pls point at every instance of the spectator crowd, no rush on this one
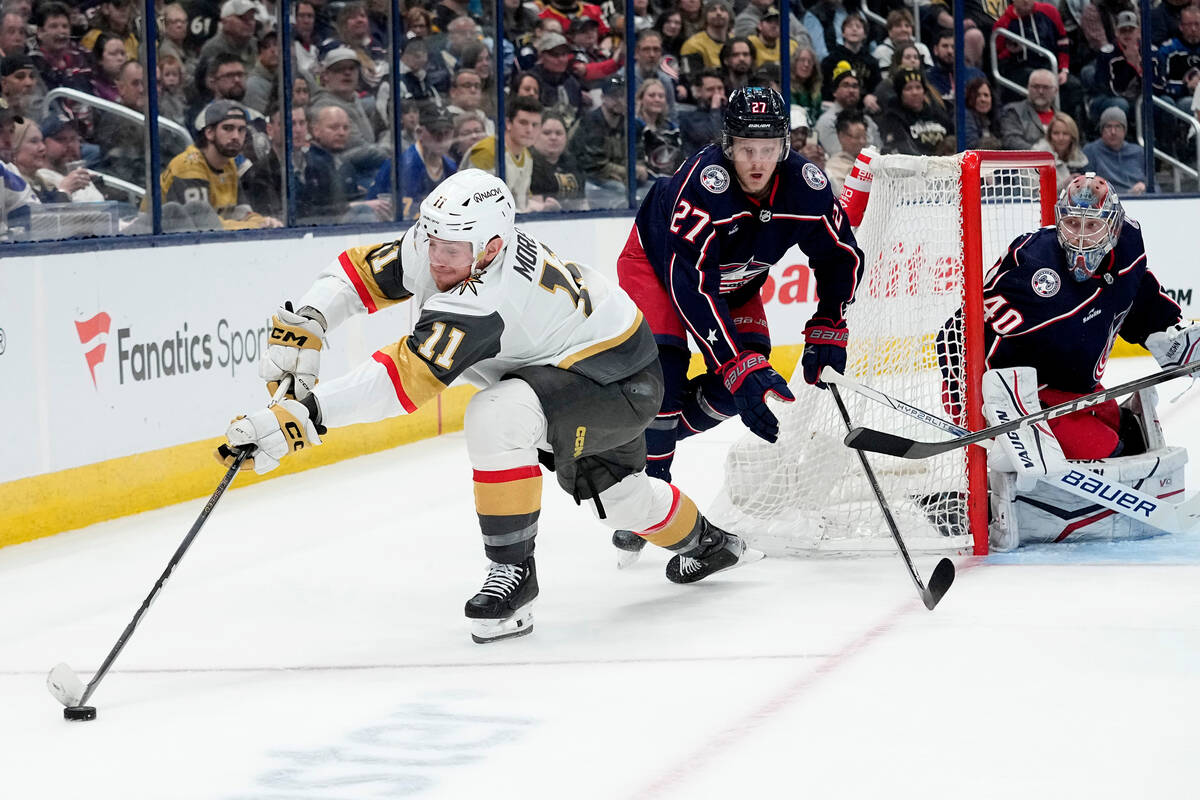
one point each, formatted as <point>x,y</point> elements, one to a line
<point>860,74</point>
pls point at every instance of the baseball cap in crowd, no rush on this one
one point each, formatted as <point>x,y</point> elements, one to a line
<point>235,8</point>
<point>11,64</point>
<point>582,23</point>
<point>55,124</point>
<point>1127,19</point>
<point>799,118</point>
<point>220,110</point>
<point>550,41</point>
<point>614,85</point>
<point>771,13</point>
<point>339,53</point>
<point>434,117</point>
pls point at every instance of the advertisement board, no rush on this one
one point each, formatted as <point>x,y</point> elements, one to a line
<point>114,353</point>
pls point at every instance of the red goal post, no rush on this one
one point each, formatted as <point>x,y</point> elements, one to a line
<point>975,167</point>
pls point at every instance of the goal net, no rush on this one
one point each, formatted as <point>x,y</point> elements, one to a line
<point>931,227</point>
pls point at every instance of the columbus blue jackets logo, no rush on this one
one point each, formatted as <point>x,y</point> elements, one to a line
<point>714,178</point>
<point>814,177</point>
<point>1046,282</point>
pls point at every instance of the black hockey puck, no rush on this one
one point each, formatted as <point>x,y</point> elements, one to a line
<point>79,713</point>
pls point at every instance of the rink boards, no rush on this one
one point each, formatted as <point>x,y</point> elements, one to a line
<point>122,367</point>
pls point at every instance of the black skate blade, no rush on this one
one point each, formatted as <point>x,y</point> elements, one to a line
<point>939,583</point>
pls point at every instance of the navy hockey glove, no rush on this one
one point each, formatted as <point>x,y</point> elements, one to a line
<point>749,377</point>
<point>824,346</point>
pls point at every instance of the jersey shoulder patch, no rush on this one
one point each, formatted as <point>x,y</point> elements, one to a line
<point>715,178</point>
<point>1046,282</point>
<point>814,177</point>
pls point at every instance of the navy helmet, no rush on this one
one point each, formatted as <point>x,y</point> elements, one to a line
<point>756,112</point>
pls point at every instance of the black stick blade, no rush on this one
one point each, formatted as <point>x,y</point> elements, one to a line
<point>875,441</point>
<point>939,583</point>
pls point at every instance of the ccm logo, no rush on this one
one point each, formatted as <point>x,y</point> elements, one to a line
<point>1113,494</point>
<point>295,435</point>
<point>284,336</point>
<point>580,435</point>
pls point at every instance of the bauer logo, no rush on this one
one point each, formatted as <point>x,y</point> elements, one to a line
<point>90,332</point>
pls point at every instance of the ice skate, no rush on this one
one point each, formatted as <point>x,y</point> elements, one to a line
<point>629,547</point>
<point>503,607</point>
<point>721,550</point>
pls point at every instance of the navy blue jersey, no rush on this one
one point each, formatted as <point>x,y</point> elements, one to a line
<point>711,245</point>
<point>1036,314</point>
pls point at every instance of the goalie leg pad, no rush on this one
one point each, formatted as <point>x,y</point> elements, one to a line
<point>1031,451</point>
<point>1047,514</point>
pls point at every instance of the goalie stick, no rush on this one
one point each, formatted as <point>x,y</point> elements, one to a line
<point>1079,481</point>
<point>62,681</point>
<point>892,445</point>
<point>943,573</point>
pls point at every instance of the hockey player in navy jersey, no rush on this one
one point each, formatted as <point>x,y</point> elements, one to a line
<point>1060,297</point>
<point>1053,307</point>
<point>700,251</point>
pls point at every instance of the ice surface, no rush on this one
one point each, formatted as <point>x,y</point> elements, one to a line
<point>312,645</point>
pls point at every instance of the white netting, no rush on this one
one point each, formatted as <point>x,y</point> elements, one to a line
<point>807,493</point>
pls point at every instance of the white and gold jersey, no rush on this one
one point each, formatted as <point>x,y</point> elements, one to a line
<point>528,308</point>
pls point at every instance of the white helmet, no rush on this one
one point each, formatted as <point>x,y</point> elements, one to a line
<point>469,206</point>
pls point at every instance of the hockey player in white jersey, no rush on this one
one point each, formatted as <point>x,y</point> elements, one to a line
<point>568,371</point>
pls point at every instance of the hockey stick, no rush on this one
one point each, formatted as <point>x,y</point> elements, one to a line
<point>62,681</point>
<point>943,573</point>
<point>893,445</point>
<point>1081,482</point>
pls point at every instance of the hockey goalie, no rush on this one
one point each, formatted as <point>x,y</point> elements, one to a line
<point>1053,307</point>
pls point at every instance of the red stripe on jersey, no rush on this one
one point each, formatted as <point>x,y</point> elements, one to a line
<point>670,514</point>
<point>394,375</point>
<point>357,282</point>
<point>506,475</point>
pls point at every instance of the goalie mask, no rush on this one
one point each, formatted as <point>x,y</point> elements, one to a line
<point>469,206</point>
<point>1088,217</point>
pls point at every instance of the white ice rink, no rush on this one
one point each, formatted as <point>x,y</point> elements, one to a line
<point>312,646</point>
